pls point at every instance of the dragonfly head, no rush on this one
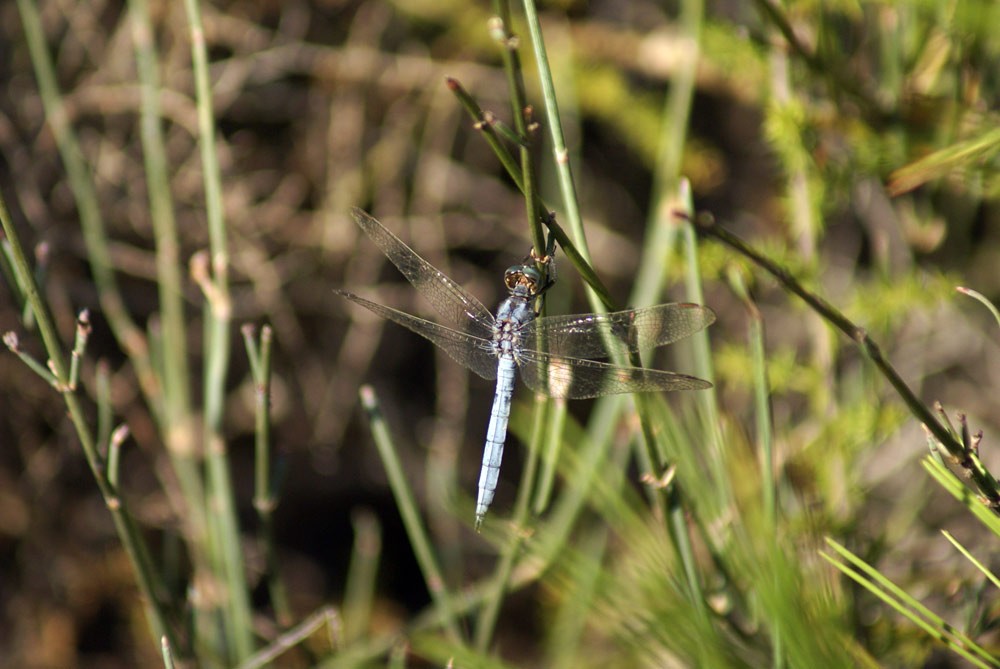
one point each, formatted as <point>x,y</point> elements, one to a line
<point>523,280</point>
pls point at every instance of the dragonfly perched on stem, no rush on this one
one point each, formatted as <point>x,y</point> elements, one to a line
<point>552,353</point>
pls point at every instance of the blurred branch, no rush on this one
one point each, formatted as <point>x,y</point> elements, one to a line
<point>212,274</point>
<point>176,422</point>
<point>941,162</point>
<point>831,70</point>
<point>265,498</point>
<point>985,482</point>
<point>326,616</point>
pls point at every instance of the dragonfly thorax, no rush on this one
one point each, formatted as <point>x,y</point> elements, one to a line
<point>513,314</point>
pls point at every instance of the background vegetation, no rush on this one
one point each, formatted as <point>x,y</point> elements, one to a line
<point>854,144</point>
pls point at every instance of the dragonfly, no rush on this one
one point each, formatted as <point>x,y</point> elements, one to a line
<point>554,354</point>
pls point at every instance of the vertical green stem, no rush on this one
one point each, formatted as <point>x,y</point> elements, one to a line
<point>561,153</point>
<point>519,104</point>
<point>574,218</point>
<point>221,501</point>
<point>362,575</point>
<point>176,385</point>
<point>552,442</point>
<point>762,408</point>
<point>177,423</point>
<point>407,505</point>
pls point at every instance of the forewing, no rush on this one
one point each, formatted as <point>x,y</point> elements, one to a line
<point>587,335</point>
<point>467,350</point>
<point>573,378</point>
<point>456,306</point>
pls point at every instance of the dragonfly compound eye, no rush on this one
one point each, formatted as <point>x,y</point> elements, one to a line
<point>523,275</point>
<point>532,277</point>
<point>510,277</point>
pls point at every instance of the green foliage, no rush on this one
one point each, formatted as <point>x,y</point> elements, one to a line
<point>779,519</point>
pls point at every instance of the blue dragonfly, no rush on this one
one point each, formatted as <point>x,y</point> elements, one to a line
<point>553,353</point>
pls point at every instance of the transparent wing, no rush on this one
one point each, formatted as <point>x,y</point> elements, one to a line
<point>467,350</point>
<point>583,335</point>
<point>573,378</point>
<point>459,309</point>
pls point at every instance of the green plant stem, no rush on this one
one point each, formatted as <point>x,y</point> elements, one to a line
<point>600,302</point>
<point>982,298</point>
<point>985,482</point>
<point>582,266</point>
<point>544,406</point>
<point>166,654</point>
<point>362,575</point>
<point>499,586</point>
<point>11,279</point>
<point>661,234</point>
<point>407,505</point>
<point>561,154</point>
<point>105,414</point>
<point>95,237</point>
<point>176,422</point>
<point>904,603</point>
<point>221,496</point>
<point>592,456</point>
<point>489,133</point>
<point>327,615</point>
<point>592,459</point>
<point>719,484</point>
<point>571,204</point>
<point>570,618</point>
<point>265,498</point>
<point>674,509</point>
<point>113,467</point>
<point>553,441</point>
<point>765,440</point>
<point>176,384</point>
<point>676,502</point>
<point>11,340</point>
<point>519,105</point>
<point>762,405</point>
<point>365,652</point>
<point>83,330</point>
<point>146,577</point>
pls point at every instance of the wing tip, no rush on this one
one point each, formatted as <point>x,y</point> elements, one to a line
<point>706,310</point>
